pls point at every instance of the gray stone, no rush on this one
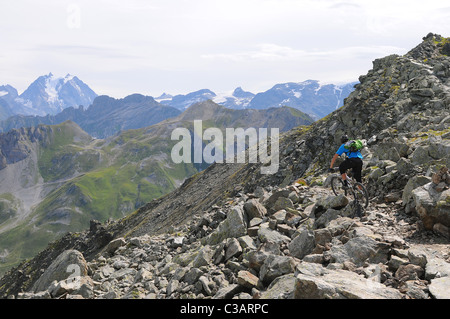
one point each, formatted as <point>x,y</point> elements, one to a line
<point>39,295</point>
<point>70,263</point>
<point>275,196</point>
<point>417,257</point>
<point>283,203</point>
<point>172,287</point>
<point>254,209</point>
<point>255,258</point>
<point>235,225</point>
<point>376,173</point>
<point>303,243</point>
<point>248,280</point>
<point>280,288</point>
<point>420,156</point>
<point>395,262</point>
<point>192,275</point>
<point>359,250</point>
<point>335,202</point>
<point>324,219</point>
<point>437,267</point>
<point>247,242</point>
<point>204,257</point>
<point>255,222</point>
<point>265,234</point>
<point>233,248</point>
<point>439,288</point>
<point>432,207</point>
<point>205,285</point>
<point>275,266</point>
<point>407,272</point>
<point>341,284</point>
<point>82,285</point>
<point>228,292</point>
<point>178,241</point>
<point>114,244</point>
<point>279,216</point>
<point>314,258</point>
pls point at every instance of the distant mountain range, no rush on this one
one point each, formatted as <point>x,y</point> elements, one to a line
<point>105,117</point>
<point>311,97</point>
<point>50,95</point>
<point>52,100</point>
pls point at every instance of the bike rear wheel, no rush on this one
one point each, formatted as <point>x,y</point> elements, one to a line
<point>337,185</point>
<point>361,195</point>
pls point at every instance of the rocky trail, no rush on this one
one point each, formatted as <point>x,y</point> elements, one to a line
<point>293,242</point>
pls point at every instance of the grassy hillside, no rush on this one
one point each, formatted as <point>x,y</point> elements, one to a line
<point>82,178</point>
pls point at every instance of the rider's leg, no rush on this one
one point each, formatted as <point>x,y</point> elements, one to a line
<point>357,168</point>
<point>343,167</point>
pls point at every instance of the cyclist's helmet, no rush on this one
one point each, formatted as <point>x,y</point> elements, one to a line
<point>344,139</point>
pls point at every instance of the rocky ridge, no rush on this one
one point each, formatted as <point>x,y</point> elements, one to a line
<point>283,235</point>
<point>291,242</point>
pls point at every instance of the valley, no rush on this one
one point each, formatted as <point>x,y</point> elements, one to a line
<point>57,178</point>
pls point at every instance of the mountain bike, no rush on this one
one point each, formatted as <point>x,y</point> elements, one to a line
<point>354,189</point>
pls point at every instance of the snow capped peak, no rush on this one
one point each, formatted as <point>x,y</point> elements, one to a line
<point>50,94</point>
<point>52,85</point>
<point>68,77</point>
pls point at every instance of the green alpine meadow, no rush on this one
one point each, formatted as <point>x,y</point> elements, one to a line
<point>59,177</point>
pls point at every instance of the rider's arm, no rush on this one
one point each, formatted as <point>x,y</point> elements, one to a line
<point>333,160</point>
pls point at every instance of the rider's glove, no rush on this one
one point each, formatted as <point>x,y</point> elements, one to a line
<point>331,170</point>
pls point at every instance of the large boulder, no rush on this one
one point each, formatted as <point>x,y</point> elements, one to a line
<point>413,183</point>
<point>253,208</point>
<point>433,207</point>
<point>280,288</point>
<point>341,284</point>
<point>235,225</point>
<point>69,263</point>
<point>275,266</point>
<point>359,250</point>
<point>303,242</point>
<point>439,288</point>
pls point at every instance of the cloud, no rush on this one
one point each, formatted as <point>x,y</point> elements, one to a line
<point>176,44</point>
<point>274,52</point>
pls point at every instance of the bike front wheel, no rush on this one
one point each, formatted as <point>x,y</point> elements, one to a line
<point>337,185</point>
<point>361,195</point>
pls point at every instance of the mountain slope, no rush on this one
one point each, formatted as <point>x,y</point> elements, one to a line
<point>8,105</point>
<point>105,117</point>
<point>57,178</point>
<point>401,107</point>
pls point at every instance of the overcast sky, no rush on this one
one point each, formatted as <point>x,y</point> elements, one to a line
<point>179,46</point>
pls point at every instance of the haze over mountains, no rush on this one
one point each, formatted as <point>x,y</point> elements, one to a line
<point>311,97</point>
<point>68,155</point>
<point>53,100</point>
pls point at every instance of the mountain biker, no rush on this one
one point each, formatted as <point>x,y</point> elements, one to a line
<point>353,160</point>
